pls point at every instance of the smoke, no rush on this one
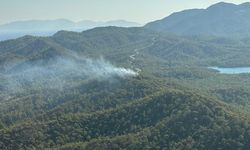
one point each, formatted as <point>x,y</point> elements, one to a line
<point>60,73</point>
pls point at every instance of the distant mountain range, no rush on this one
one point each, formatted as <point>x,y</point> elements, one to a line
<point>49,27</point>
<point>221,19</point>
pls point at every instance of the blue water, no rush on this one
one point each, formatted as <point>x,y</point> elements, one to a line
<point>237,70</point>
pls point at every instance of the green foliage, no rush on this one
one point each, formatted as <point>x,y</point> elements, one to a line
<point>175,103</point>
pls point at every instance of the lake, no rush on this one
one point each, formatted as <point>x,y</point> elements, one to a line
<point>236,70</point>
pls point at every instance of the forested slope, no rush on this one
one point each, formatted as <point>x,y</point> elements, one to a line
<point>123,88</point>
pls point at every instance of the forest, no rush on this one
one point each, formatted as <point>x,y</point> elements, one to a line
<point>175,101</point>
<point>112,88</point>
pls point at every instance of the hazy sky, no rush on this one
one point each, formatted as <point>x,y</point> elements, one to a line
<point>141,11</point>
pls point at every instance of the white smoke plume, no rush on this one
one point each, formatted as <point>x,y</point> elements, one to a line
<point>60,73</point>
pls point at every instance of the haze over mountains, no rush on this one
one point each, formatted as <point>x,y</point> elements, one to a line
<point>221,19</point>
<point>49,27</point>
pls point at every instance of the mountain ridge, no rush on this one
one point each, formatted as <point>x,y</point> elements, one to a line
<point>221,19</point>
<point>49,27</point>
<point>40,24</point>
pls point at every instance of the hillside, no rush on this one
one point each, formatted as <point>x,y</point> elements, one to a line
<point>181,116</point>
<point>221,19</point>
<point>179,83</point>
<point>112,87</point>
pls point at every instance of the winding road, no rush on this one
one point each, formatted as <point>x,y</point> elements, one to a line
<point>132,57</point>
